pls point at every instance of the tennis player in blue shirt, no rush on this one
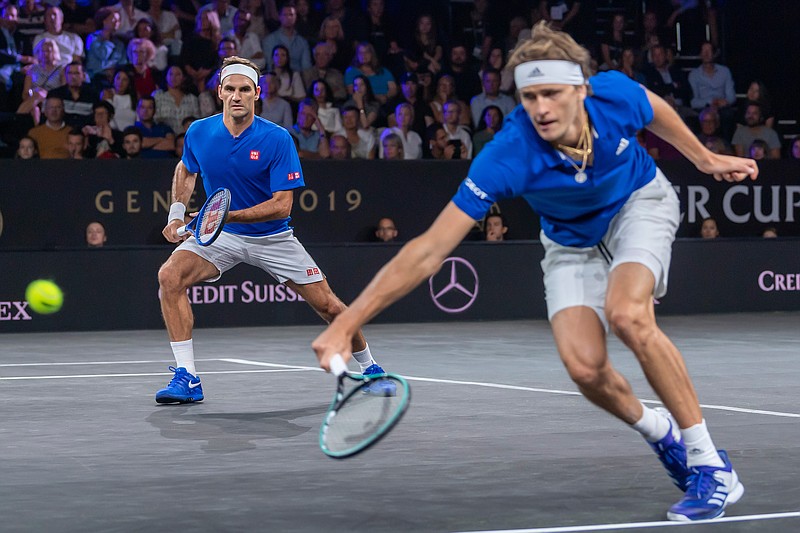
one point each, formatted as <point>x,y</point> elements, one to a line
<point>257,161</point>
<point>608,218</point>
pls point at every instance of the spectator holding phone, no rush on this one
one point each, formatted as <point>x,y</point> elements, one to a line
<point>440,147</point>
<point>453,129</point>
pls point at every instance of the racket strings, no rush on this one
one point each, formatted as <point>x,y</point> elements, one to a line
<point>212,216</point>
<point>364,415</point>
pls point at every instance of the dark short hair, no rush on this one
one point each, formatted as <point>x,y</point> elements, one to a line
<point>132,130</point>
<point>430,131</point>
<point>503,220</point>
<point>105,105</point>
<point>102,14</point>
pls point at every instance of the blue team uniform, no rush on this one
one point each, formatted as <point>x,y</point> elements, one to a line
<point>254,165</point>
<point>518,162</point>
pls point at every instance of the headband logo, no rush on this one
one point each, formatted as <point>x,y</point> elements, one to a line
<point>535,73</point>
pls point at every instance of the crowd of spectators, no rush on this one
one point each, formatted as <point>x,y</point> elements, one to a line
<point>80,79</point>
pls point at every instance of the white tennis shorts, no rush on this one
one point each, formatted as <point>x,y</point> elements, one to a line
<point>280,255</point>
<point>642,232</point>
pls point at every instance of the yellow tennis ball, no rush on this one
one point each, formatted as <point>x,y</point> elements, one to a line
<point>44,296</point>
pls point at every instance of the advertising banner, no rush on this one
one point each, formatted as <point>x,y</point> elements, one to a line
<point>47,204</point>
<point>117,288</point>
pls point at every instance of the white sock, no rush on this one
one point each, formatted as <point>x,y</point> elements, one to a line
<point>652,426</point>
<point>184,355</point>
<point>700,450</point>
<point>364,358</point>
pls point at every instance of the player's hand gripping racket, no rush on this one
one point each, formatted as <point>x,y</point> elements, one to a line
<point>360,416</point>
<point>208,223</point>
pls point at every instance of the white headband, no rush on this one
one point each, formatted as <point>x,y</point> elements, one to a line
<point>238,68</point>
<point>548,71</point>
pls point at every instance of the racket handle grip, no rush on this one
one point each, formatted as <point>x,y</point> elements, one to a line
<point>338,366</point>
<point>182,231</point>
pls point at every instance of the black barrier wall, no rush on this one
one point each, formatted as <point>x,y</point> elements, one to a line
<point>47,204</point>
<point>108,289</point>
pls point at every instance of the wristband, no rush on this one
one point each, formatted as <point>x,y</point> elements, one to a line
<point>176,211</point>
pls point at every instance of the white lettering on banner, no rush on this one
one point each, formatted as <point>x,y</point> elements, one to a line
<point>769,281</point>
<point>726,204</point>
<point>14,311</point>
<point>252,292</point>
<point>775,216</point>
<point>212,294</point>
<point>791,191</point>
<point>475,189</point>
<point>698,198</point>
<point>247,292</point>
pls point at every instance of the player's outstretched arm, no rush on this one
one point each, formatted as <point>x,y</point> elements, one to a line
<point>668,125</point>
<point>414,263</point>
<point>277,207</point>
<point>182,188</point>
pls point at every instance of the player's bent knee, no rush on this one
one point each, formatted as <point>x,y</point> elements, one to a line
<point>625,319</point>
<point>632,325</point>
<point>169,278</point>
<point>333,307</point>
<point>585,376</point>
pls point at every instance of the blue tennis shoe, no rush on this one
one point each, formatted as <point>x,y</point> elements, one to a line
<point>711,489</point>
<point>380,387</point>
<point>672,452</point>
<point>183,388</point>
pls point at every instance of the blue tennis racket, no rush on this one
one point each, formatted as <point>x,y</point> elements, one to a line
<point>208,223</point>
<point>363,414</point>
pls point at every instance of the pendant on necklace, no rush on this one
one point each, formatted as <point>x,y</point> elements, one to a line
<point>581,177</point>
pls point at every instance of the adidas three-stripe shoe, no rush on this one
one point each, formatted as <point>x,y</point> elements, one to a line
<point>711,489</point>
<point>183,388</point>
<point>672,452</point>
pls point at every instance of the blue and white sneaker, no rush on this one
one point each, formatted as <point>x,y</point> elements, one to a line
<point>711,490</point>
<point>381,387</point>
<point>184,388</point>
<point>672,452</point>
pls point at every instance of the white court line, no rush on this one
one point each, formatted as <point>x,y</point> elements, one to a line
<point>526,389</point>
<point>143,374</point>
<point>76,363</point>
<point>317,369</point>
<point>643,525</point>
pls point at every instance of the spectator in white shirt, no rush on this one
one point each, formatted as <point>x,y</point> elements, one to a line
<point>412,142</point>
<point>247,42</point>
<point>453,129</point>
<point>70,45</point>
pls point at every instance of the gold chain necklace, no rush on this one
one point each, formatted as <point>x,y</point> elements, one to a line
<point>582,151</point>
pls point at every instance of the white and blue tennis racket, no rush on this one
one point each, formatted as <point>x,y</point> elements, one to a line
<point>208,223</point>
<point>361,416</point>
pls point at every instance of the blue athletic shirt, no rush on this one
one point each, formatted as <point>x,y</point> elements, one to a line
<point>254,165</point>
<point>517,162</point>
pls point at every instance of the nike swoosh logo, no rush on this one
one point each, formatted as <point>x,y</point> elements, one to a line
<point>194,385</point>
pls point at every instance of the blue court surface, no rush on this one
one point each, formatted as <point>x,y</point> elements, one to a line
<point>496,438</point>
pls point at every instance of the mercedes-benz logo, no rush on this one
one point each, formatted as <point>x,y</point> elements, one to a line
<point>455,287</point>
